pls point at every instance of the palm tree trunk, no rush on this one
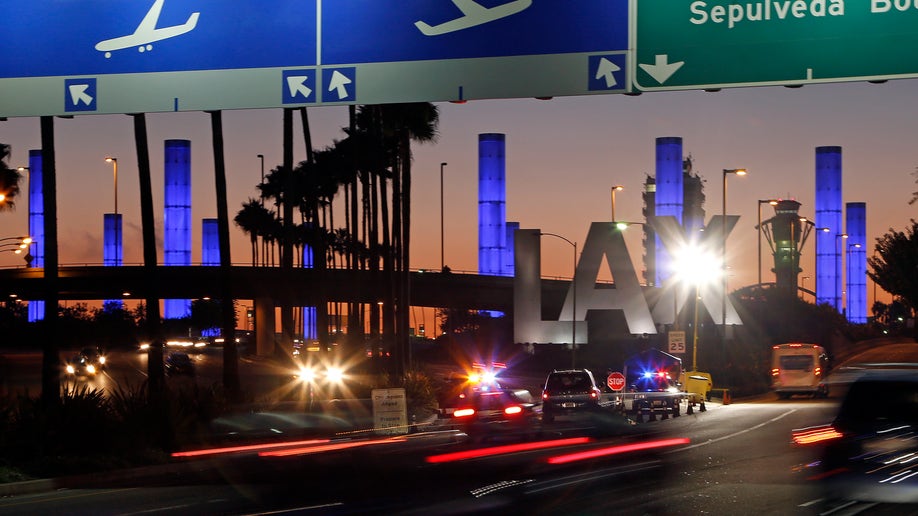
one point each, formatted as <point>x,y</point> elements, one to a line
<point>230,355</point>
<point>155,372</point>
<point>405,283</point>
<point>50,362</point>
<point>286,255</point>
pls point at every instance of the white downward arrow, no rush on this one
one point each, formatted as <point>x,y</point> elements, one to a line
<point>297,85</point>
<point>78,94</point>
<point>338,82</point>
<point>662,69</point>
<point>607,69</point>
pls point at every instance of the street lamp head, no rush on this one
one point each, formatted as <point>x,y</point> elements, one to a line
<point>109,159</point>
<point>737,171</point>
<point>624,224</point>
<point>443,164</point>
<point>618,188</point>
<point>23,169</point>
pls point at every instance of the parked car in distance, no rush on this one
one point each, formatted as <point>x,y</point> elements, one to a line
<point>567,391</point>
<point>497,412</point>
<point>179,362</point>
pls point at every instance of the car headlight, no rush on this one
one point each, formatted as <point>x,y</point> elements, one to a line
<point>91,369</point>
<point>102,360</point>
<point>70,369</point>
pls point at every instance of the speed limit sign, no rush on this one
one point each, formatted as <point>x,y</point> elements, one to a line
<point>676,342</point>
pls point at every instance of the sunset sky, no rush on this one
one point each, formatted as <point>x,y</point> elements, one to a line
<point>563,155</point>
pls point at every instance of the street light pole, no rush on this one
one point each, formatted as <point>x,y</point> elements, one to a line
<point>723,252</point>
<point>260,194</point>
<point>836,300</point>
<point>114,162</point>
<point>616,188</point>
<point>847,272</point>
<point>442,261</point>
<point>574,303</point>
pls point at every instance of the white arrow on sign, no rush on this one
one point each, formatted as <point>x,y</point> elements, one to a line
<point>662,69</point>
<point>607,69</point>
<point>339,81</point>
<point>297,85</point>
<point>78,94</point>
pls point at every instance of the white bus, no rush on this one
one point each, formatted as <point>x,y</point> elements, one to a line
<point>798,368</point>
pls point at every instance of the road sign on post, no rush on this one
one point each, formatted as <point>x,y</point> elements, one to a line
<point>616,381</point>
<point>116,56</point>
<point>676,342</point>
<point>698,44</point>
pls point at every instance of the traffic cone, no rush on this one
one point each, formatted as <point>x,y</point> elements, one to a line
<point>702,407</point>
<point>690,409</point>
<point>726,397</point>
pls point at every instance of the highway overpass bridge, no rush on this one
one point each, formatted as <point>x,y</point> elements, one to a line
<point>302,287</point>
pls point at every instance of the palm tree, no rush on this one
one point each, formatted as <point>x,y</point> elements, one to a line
<point>250,220</point>
<point>401,124</point>
<point>9,181</point>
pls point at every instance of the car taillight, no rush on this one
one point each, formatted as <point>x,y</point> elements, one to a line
<point>544,395</point>
<point>594,394</point>
<point>515,409</point>
<point>815,434</point>
<point>466,412</point>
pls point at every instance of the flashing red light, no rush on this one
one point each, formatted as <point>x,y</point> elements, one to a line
<point>661,374</point>
<point>614,450</point>
<point>502,450</point>
<point>775,372</point>
<point>817,371</point>
<point>466,412</point>
<point>515,409</point>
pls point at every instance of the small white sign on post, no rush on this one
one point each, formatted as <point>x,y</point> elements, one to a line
<point>390,411</point>
<point>677,342</point>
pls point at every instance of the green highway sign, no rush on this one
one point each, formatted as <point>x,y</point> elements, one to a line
<point>706,44</point>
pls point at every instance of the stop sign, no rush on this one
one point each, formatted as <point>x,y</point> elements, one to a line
<point>616,381</point>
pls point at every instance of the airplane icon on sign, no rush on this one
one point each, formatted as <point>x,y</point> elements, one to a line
<point>473,14</point>
<point>146,33</point>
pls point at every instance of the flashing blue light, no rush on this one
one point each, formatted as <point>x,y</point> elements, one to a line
<point>648,374</point>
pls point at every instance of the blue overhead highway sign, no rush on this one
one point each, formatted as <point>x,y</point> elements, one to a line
<point>132,56</point>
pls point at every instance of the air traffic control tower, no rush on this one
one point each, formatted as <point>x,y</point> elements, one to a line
<point>786,235</point>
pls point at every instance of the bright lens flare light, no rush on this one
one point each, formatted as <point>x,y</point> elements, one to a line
<point>696,265</point>
<point>335,374</point>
